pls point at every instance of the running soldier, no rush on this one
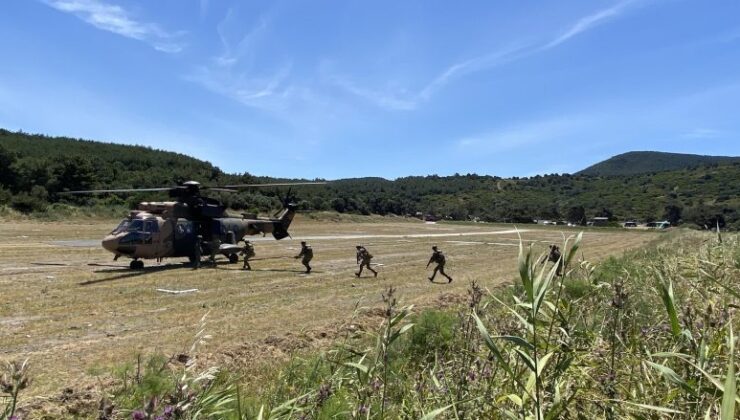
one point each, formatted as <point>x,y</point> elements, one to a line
<point>307,254</point>
<point>556,257</point>
<point>247,252</point>
<point>439,258</point>
<point>197,252</point>
<point>215,245</point>
<point>363,258</point>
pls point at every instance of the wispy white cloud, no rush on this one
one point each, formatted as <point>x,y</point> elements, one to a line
<point>703,134</point>
<point>203,7</point>
<point>384,99</point>
<point>477,64</point>
<point>480,63</point>
<point>267,91</point>
<point>116,19</point>
<point>397,99</point>
<point>243,51</point>
<point>541,133</point>
<point>233,72</point>
<point>589,22</point>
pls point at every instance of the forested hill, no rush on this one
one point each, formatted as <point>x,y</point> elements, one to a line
<point>632,163</point>
<point>33,169</point>
<point>113,164</point>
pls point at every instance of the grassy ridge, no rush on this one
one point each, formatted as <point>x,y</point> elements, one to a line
<point>650,335</point>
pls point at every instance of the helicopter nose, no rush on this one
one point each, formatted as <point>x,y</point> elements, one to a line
<point>110,243</point>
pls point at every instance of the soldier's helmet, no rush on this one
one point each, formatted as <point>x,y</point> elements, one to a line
<point>303,242</point>
<point>434,247</point>
<point>358,246</point>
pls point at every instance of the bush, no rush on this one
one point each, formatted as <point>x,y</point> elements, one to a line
<point>433,334</point>
<point>26,203</point>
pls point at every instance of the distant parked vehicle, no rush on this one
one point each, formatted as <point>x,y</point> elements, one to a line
<point>630,224</point>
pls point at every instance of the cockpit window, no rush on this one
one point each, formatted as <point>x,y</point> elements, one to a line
<point>122,227</point>
<point>136,226</point>
<point>151,226</point>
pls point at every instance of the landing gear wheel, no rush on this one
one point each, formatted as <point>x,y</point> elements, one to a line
<point>136,265</point>
<point>233,258</point>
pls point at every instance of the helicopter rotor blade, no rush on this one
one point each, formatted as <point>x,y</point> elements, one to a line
<point>221,189</point>
<point>122,190</point>
<point>275,184</point>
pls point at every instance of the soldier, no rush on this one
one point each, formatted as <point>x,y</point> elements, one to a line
<point>247,252</point>
<point>197,251</point>
<point>215,244</point>
<point>363,258</point>
<point>439,258</point>
<point>556,257</point>
<point>307,254</point>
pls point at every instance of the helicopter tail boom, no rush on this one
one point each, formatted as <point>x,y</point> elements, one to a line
<point>281,225</point>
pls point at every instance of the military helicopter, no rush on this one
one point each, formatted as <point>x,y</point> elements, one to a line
<point>157,230</point>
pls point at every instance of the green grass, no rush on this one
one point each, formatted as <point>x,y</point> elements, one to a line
<point>648,335</point>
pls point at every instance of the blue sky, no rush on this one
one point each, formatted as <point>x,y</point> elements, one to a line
<point>337,89</point>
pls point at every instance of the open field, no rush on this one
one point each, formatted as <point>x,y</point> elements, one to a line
<point>74,312</point>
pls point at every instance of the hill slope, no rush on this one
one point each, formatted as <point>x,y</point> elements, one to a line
<point>34,168</point>
<point>632,163</point>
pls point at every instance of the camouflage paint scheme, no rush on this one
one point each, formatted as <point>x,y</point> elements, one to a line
<point>153,231</point>
<point>170,229</point>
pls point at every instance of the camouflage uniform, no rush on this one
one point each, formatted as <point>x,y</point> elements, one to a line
<point>197,251</point>
<point>439,258</point>
<point>215,244</point>
<point>307,254</point>
<point>363,258</point>
<point>247,252</point>
<point>556,257</point>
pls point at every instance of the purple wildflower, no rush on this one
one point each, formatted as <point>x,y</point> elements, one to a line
<point>138,415</point>
<point>375,384</point>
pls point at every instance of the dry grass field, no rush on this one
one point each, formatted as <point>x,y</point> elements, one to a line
<point>75,313</point>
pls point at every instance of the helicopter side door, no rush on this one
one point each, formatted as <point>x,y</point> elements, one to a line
<point>163,240</point>
<point>184,238</point>
<point>149,244</point>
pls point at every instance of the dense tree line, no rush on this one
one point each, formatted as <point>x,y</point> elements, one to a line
<point>34,169</point>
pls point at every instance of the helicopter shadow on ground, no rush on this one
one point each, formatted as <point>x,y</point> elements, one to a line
<point>55,264</point>
<point>128,272</point>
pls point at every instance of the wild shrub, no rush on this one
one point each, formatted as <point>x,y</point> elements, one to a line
<point>432,335</point>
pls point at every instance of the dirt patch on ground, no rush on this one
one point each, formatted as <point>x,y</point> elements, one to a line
<point>82,401</point>
<point>450,300</point>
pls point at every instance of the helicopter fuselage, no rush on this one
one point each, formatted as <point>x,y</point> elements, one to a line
<point>147,235</point>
